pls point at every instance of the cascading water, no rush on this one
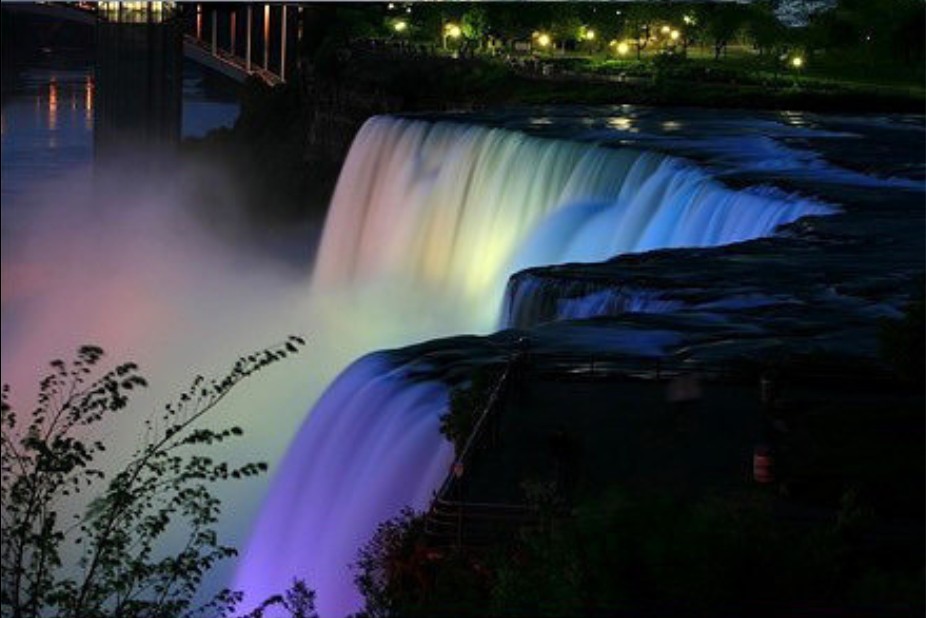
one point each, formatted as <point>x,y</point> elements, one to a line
<point>532,300</point>
<point>372,432</point>
<point>428,222</point>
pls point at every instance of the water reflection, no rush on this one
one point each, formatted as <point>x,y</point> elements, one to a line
<point>47,120</point>
<point>88,103</point>
<point>53,105</point>
<point>795,119</point>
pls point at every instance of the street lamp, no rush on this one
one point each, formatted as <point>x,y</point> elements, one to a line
<point>589,35</point>
<point>674,35</point>
<point>797,62</point>
<point>543,39</point>
<point>400,26</point>
<point>665,29</point>
<point>622,48</point>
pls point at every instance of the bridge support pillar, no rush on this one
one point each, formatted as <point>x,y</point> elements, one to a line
<point>247,53</point>
<point>283,45</point>
<point>233,27</point>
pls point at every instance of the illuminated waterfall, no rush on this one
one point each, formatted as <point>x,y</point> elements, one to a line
<point>531,300</point>
<point>447,212</point>
<point>372,447</point>
<point>427,222</point>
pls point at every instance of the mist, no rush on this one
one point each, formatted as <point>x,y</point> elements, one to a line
<point>162,267</point>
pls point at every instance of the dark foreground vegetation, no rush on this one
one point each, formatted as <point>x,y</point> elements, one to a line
<point>86,538</point>
<point>646,555</point>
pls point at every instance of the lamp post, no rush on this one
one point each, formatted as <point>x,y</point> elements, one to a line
<point>797,63</point>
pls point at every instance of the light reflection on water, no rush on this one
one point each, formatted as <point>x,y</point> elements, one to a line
<point>622,123</point>
<point>46,126</point>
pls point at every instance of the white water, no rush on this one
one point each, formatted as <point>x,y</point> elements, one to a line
<point>446,212</point>
<point>426,225</point>
<point>532,300</point>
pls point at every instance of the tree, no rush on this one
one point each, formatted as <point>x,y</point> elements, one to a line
<point>475,24</point>
<point>639,21</point>
<point>389,566</point>
<point>722,23</point>
<point>768,34</point>
<point>111,560</point>
<point>400,573</point>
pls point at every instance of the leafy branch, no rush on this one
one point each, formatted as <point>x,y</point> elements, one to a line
<point>48,459</point>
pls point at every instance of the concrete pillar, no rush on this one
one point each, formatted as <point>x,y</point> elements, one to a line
<point>247,53</point>
<point>283,45</point>
<point>233,32</point>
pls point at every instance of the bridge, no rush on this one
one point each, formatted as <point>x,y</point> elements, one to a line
<point>241,40</point>
<point>235,40</point>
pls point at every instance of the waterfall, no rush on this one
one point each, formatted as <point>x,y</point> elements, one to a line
<point>446,212</point>
<point>531,300</point>
<point>427,223</point>
<point>370,448</point>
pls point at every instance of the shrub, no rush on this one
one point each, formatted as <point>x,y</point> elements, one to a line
<point>50,456</point>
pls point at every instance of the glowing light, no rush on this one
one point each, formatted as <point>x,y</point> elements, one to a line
<point>689,19</point>
<point>453,31</point>
<point>665,29</point>
<point>400,26</point>
<point>391,6</point>
<point>266,32</point>
<point>797,62</point>
<point>543,39</point>
<point>622,48</point>
<point>674,35</point>
<point>589,35</point>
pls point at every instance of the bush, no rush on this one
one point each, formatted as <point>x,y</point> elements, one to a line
<point>50,457</point>
<point>467,403</point>
<point>903,341</point>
